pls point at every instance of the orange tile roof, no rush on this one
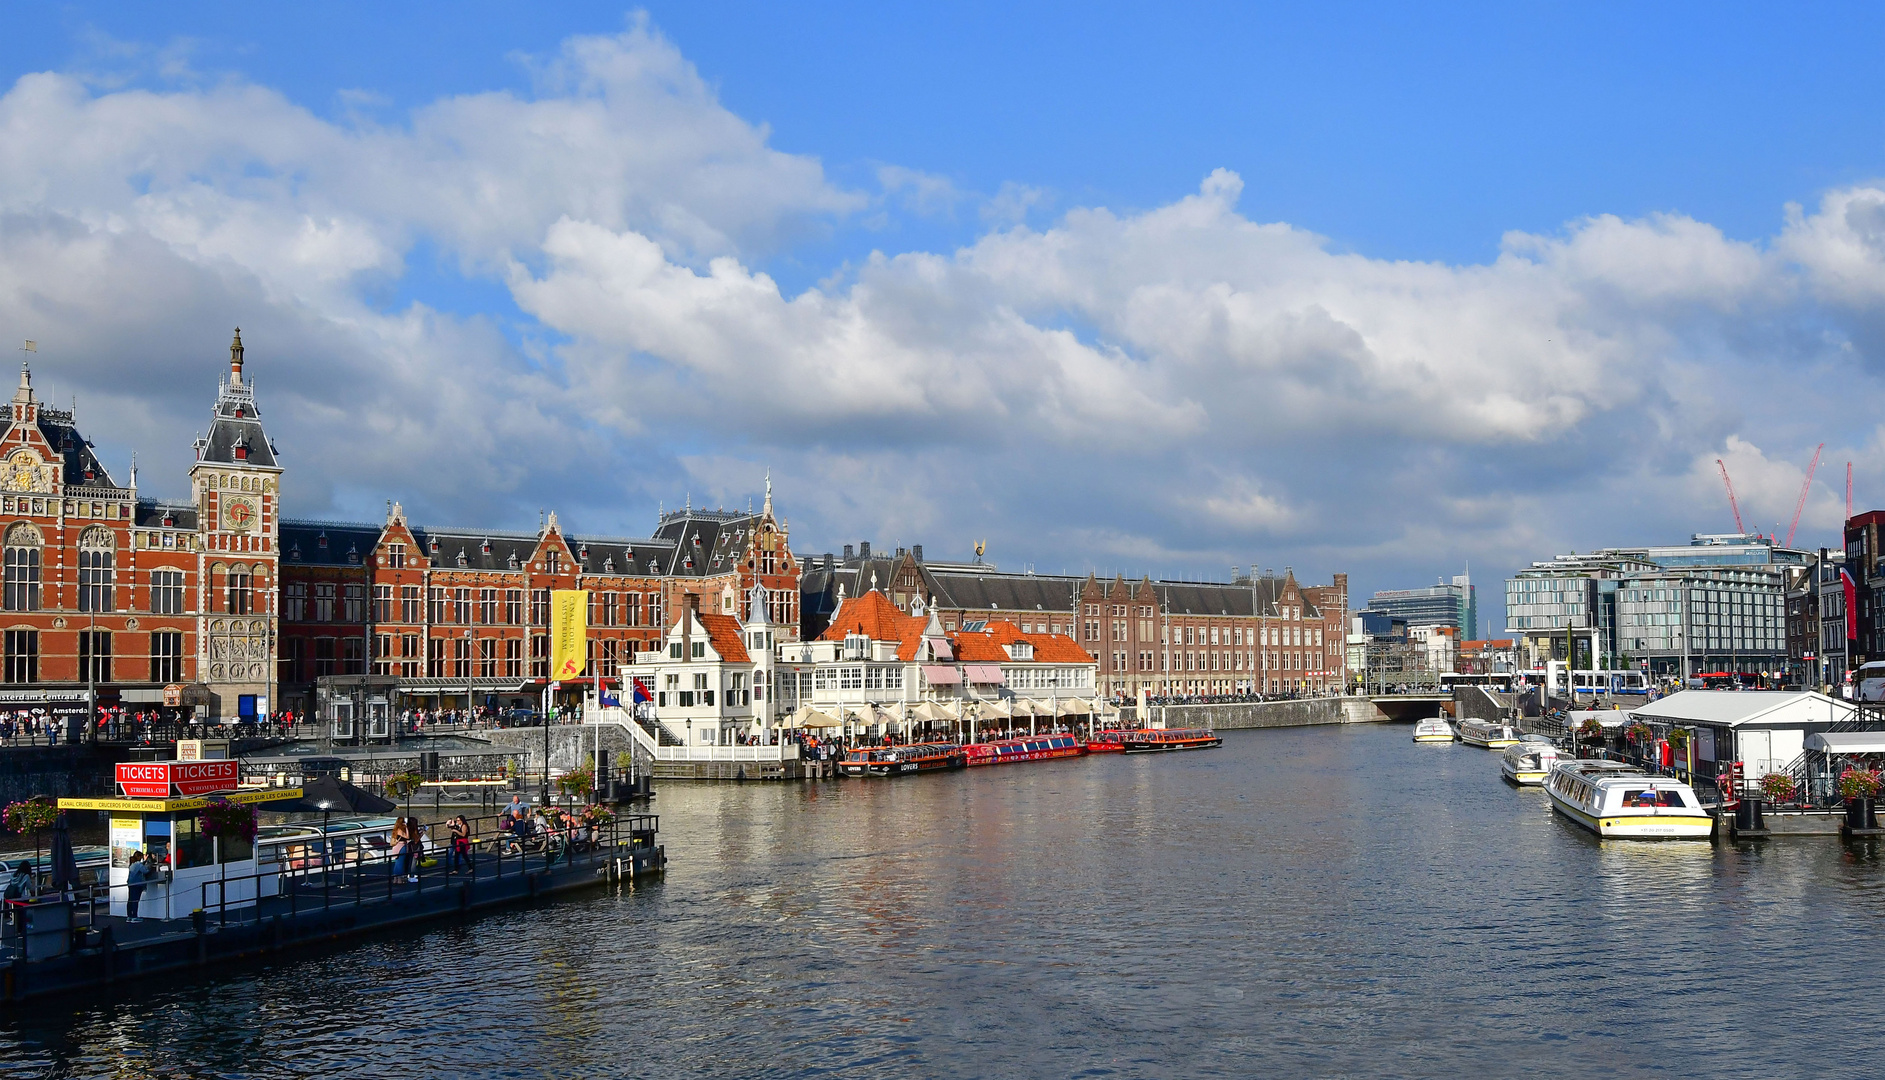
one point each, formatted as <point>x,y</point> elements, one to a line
<point>724,632</point>
<point>988,646</point>
<point>874,616</point>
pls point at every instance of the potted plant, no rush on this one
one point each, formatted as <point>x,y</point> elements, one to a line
<point>579,781</point>
<point>402,784</point>
<point>30,815</point>
<point>1591,730</point>
<point>1859,786</point>
<point>224,820</point>
<point>1778,788</point>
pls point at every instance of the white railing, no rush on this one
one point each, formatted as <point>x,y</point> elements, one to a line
<point>650,745</point>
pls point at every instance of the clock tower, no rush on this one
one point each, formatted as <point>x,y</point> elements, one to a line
<point>235,486</point>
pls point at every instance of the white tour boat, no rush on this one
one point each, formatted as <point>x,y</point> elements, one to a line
<point>1621,801</point>
<point>1433,729</point>
<point>1491,734</point>
<point>1529,760</point>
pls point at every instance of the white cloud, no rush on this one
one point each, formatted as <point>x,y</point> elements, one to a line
<point>1179,384</point>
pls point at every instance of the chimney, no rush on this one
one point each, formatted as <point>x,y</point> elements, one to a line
<point>916,552</point>
<point>864,549</point>
<point>850,552</point>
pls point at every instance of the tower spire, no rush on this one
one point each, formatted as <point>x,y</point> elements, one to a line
<point>235,359</point>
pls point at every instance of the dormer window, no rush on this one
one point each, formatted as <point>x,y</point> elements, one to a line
<point>512,561</point>
<point>435,547</point>
<point>486,546</point>
<point>353,554</point>
<point>651,566</point>
<point>294,553</point>
<point>242,452</point>
<point>321,541</point>
<point>170,521</point>
<point>1021,650</point>
<point>583,553</point>
<point>696,539</point>
<point>463,559</point>
<point>856,646</point>
<point>608,565</point>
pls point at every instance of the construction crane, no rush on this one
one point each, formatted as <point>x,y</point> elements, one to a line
<point>1848,491</point>
<point>1735,506</point>
<point>1804,488</point>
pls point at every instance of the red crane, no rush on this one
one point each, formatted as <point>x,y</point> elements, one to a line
<point>1731,499</point>
<point>1804,488</point>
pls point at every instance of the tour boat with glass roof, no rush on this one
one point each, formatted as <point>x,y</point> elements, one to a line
<point>1528,761</point>
<point>902,760</point>
<point>1491,734</point>
<point>1621,801</point>
<point>1157,740</point>
<point>1024,748</point>
<point>1433,729</point>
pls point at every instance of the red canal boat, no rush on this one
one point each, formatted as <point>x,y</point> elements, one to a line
<point>1025,748</point>
<point>1109,742</point>
<point>901,760</point>
<point>1162,739</point>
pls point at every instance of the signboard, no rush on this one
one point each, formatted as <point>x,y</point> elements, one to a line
<point>185,779</point>
<point>168,806</point>
<point>173,696</point>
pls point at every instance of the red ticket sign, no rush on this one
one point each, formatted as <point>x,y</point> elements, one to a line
<point>182,779</point>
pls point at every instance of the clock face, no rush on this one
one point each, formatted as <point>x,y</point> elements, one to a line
<point>239,515</point>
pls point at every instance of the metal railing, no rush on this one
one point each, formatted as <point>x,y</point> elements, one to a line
<point>375,879</point>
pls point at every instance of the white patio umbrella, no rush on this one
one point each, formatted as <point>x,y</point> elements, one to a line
<point>807,717</point>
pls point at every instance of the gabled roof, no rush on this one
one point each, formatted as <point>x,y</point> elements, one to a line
<point>724,632</point>
<point>1747,708</point>
<point>327,543</point>
<point>874,616</point>
<point>722,540</point>
<point>150,514</point>
<point>989,646</point>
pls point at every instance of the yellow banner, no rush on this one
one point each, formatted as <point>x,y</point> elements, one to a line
<point>569,634</point>
<point>263,795</point>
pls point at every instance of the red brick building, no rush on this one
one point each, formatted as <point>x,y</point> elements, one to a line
<point>1256,633</point>
<point>443,617</point>
<point>119,596</point>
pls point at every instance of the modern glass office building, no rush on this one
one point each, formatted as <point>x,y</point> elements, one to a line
<point>1455,605</point>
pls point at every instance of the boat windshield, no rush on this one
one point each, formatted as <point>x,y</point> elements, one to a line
<point>1648,797</point>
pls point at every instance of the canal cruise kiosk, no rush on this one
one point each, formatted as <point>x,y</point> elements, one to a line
<point>156,812</point>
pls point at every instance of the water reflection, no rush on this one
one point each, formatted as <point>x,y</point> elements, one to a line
<point>1317,901</point>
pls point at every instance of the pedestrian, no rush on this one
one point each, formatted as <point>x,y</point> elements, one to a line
<point>461,846</point>
<point>402,849</point>
<point>21,886</point>
<point>141,873</point>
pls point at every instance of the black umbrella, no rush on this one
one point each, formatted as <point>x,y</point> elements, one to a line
<point>65,868</point>
<point>326,794</point>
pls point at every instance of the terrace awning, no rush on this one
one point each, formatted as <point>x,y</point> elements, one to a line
<point>983,674</point>
<point>941,675</point>
<point>1847,742</point>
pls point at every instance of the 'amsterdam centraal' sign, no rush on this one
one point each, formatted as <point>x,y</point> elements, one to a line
<point>181,779</point>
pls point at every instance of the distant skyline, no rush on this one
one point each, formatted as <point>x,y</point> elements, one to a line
<point>1128,288</point>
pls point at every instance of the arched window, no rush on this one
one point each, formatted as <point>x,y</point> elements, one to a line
<point>240,591</point>
<point>97,562</point>
<point>23,554</point>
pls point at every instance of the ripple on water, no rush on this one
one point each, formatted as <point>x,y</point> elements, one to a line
<point>1316,902</point>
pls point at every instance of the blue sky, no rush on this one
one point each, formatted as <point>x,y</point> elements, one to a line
<point>1397,177</point>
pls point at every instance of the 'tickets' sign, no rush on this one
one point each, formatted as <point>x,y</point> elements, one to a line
<point>182,779</point>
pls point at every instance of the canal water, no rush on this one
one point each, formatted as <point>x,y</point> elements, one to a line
<point>1309,902</point>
